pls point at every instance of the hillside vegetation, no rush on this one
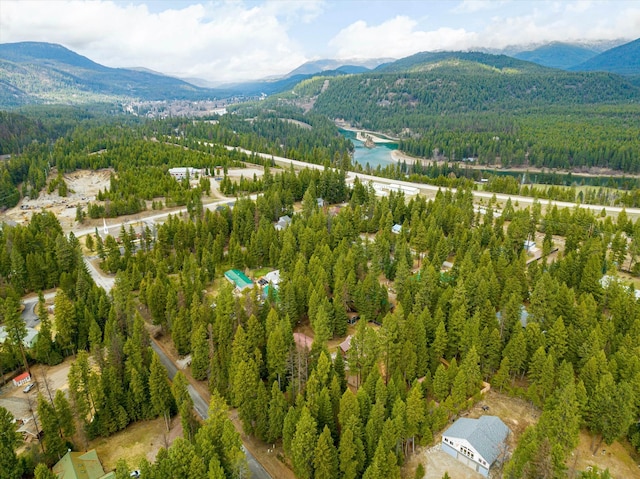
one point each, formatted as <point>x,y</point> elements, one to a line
<point>495,109</point>
<point>32,72</point>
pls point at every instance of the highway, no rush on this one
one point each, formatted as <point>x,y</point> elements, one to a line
<point>485,195</point>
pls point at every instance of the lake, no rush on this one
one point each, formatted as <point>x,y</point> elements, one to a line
<point>380,155</point>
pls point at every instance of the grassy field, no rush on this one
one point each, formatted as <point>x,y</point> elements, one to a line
<point>139,440</point>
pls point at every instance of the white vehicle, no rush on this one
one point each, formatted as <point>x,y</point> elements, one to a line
<point>29,387</point>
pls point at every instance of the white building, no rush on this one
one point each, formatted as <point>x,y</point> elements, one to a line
<point>181,173</point>
<point>476,442</point>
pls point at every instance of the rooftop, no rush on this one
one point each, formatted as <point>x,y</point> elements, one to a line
<point>486,435</point>
<point>238,278</point>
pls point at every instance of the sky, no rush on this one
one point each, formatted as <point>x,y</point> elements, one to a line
<point>233,40</point>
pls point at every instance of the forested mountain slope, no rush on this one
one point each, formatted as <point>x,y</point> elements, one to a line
<point>557,55</point>
<point>32,72</point>
<point>497,109</point>
<point>624,60</point>
<point>396,101</point>
<point>426,61</point>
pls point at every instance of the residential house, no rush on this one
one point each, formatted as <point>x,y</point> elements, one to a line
<point>238,279</point>
<point>28,341</point>
<point>283,222</point>
<point>478,443</point>
<point>345,345</point>
<point>23,378</point>
<point>81,465</point>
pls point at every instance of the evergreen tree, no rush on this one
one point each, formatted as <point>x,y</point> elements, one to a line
<point>42,472</point>
<point>325,459</point>
<point>10,466</point>
<point>160,391</point>
<point>303,445</point>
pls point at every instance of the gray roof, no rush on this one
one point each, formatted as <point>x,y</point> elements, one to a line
<point>486,435</point>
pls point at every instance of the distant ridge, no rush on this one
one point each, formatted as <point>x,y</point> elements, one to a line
<point>35,72</point>
<point>557,55</point>
<point>623,60</point>
<point>347,66</point>
<point>425,61</point>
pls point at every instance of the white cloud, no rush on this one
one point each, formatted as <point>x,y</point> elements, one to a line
<point>396,38</point>
<point>541,22</point>
<point>214,40</point>
<point>473,6</point>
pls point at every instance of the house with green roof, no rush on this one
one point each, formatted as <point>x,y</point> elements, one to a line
<point>81,465</point>
<point>238,279</point>
<point>478,443</point>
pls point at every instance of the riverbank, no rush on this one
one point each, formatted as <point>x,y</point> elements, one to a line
<point>364,135</point>
<point>400,156</point>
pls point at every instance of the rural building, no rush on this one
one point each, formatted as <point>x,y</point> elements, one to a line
<point>182,172</point>
<point>283,222</point>
<point>273,277</point>
<point>30,428</point>
<point>345,345</point>
<point>24,378</point>
<point>81,465</point>
<point>28,341</point>
<point>238,279</point>
<point>476,442</point>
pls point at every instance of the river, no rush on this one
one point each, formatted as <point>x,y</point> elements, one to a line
<point>378,156</point>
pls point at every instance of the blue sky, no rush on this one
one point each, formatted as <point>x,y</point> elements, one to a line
<point>228,40</point>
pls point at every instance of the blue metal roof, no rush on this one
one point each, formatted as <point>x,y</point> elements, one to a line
<point>486,435</point>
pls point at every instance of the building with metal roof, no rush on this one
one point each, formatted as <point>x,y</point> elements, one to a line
<point>81,465</point>
<point>239,279</point>
<point>478,443</point>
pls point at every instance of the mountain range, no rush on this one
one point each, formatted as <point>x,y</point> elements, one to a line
<point>33,72</point>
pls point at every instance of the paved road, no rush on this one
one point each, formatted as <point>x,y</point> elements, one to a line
<point>29,315</point>
<point>107,282</point>
<point>421,186</point>
<point>202,408</point>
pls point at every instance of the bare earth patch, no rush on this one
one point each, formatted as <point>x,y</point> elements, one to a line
<point>83,186</point>
<point>137,441</point>
<point>615,457</point>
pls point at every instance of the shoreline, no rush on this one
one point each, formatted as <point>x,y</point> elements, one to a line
<point>399,156</point>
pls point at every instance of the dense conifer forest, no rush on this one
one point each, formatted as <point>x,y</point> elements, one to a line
<point>426,339</point>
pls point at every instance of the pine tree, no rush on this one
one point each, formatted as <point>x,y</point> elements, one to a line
<point>41,472</point>
<point>351,452</point>
<point>277,413</point>
<point>10,466</point>
<point>200,353</point>
<point>65,416</point>
<point>160,391</point>
<point>303,445</point>
<point>16,327</point>
<point>66,322</point>
<point>325,459</point>
<point>53,444</point>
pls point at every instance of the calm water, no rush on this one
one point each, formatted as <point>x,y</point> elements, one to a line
<point>380,155</point>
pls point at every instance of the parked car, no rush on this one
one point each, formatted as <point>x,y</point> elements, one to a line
<point>29,387</point>
<point>135,473</point>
